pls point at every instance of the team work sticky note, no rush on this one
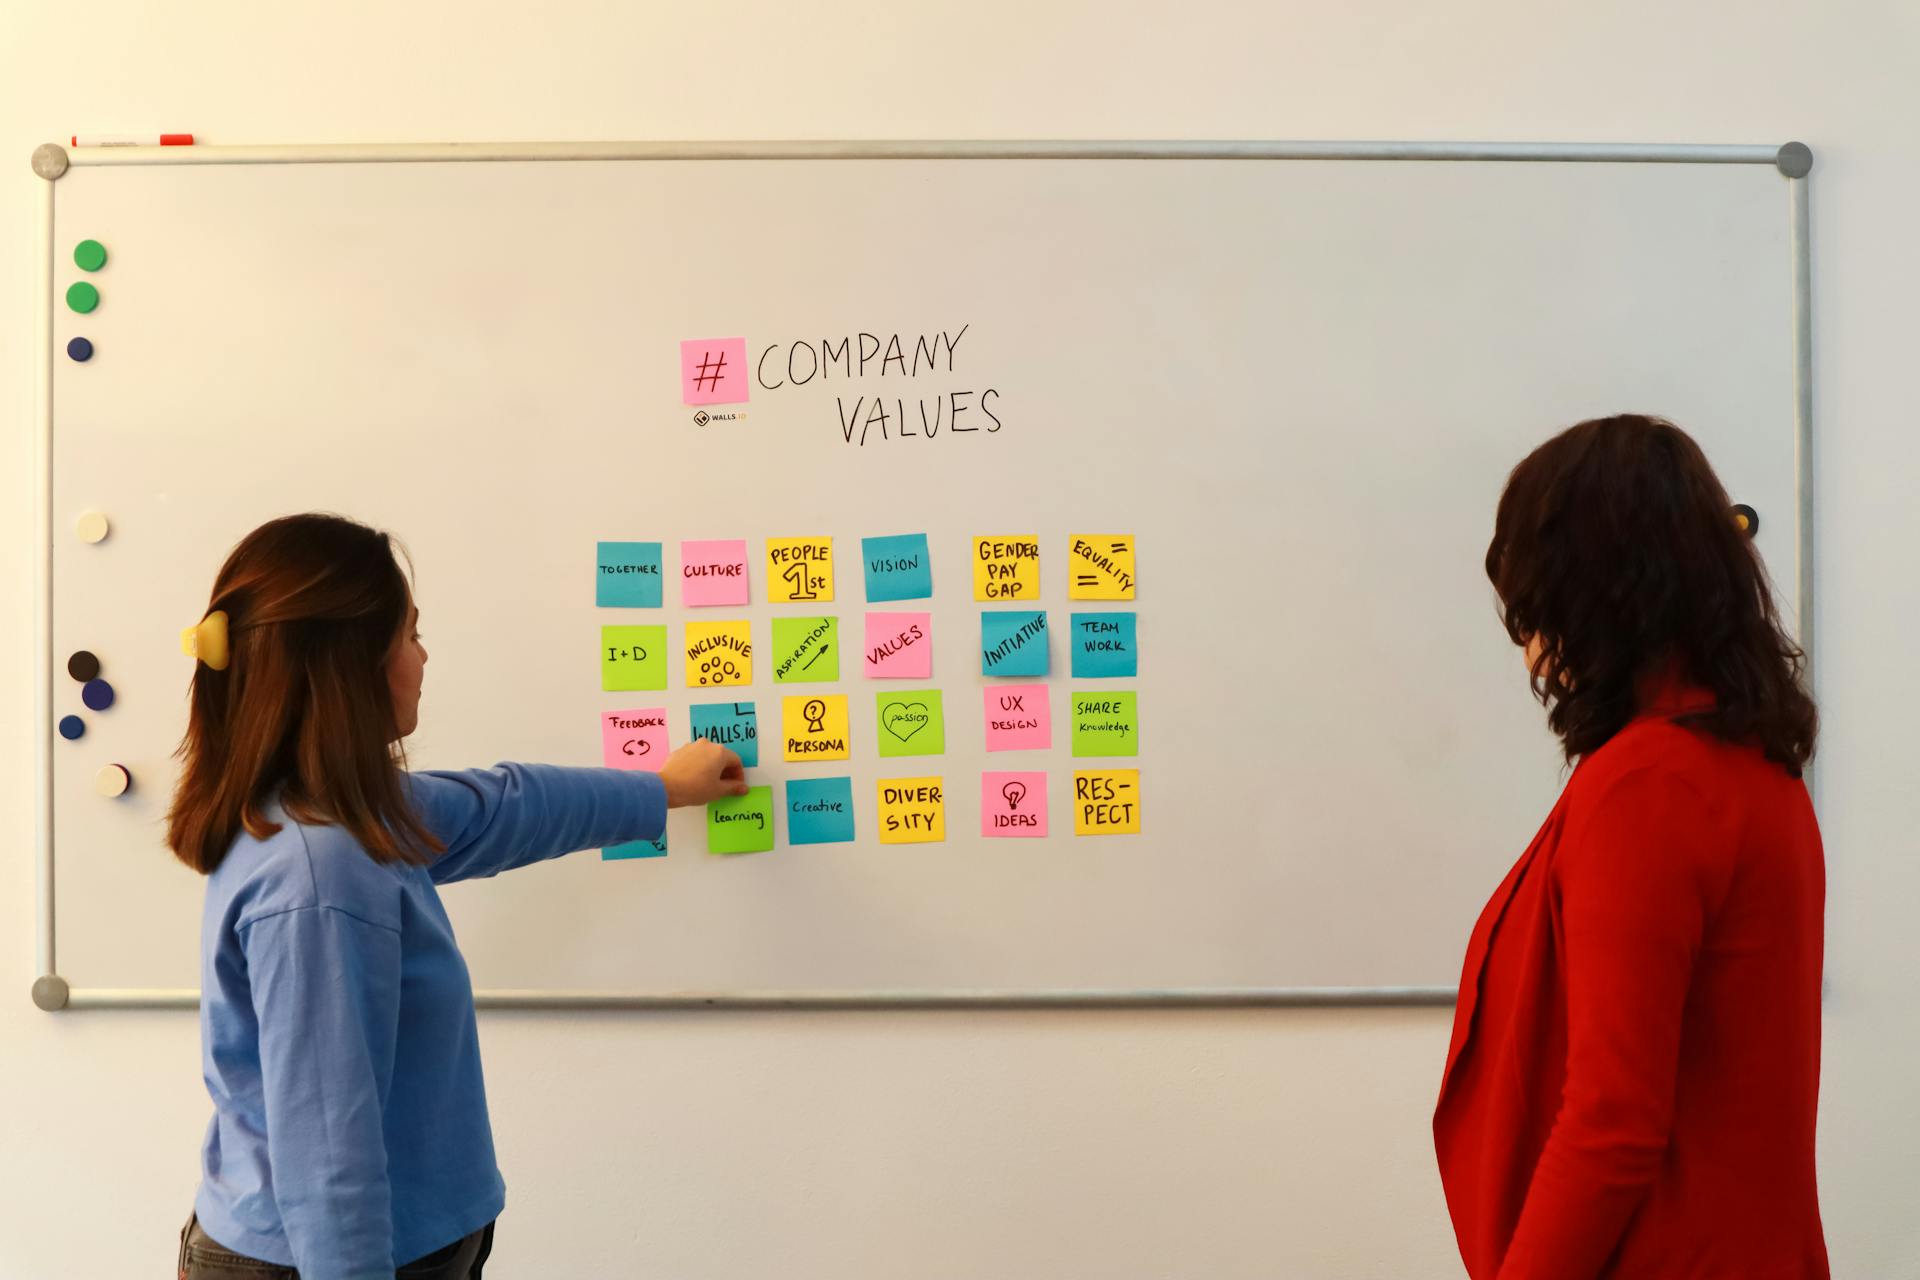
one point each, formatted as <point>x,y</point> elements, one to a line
<point>799,570</point>
<point>912,810</point>
<point>1013,804</point>
<point>719,653</point>
<point>806,650</point>
<point>1019,717</point>
<point>899,646</point>
<point>634,739</point>
<point>1013,643</point>
<point>741,824</point>
<point>819,810</point>
<point>1106,802</point>
<point>911,724</point>
<point>713,371</point>
<point>815,728</point>
<point>635,849</point>
<point>713,572</point>
<point>897,567</point>
<point>1103,646</point>
<point>1100,566</point>
<point>627,575</point>
<point>1006,568</point>
<point>1105,724</point>
<point>731,724</point>
<point>633,658</point>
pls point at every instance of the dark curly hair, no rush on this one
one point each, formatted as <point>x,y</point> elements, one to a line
<point>1616,550</point>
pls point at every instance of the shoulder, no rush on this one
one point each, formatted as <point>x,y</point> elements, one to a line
<point>305,865</point>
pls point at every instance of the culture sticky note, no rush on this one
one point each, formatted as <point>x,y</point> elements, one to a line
<point>912,810</point>
<point>1019,717</point>
<point>731,724</point>
<point>1013,804</point>
<point>635,849</point>
<point>806,650</point>
<point>1106,802</point>
<point>1013,643</point>
<point>1103,646</point>
<point>911,724</point>
<point>713,572</point>
<point>634,739</point>
<point>741,824</point>
<point>819,810</point>
<point>799,570</point>
<point>627,576</point>
<point>1105,724</point>
<point>815,728</point>
<point>1006,568</point>
<point>719,653</point>
<point>1100,566</point>
<point>897,567</point>
<point>899,646</point>
<point>713,371</point>
<point>633,658</point>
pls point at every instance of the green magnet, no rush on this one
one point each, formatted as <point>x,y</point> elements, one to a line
<point>83,297</point>
<point>90,255</point>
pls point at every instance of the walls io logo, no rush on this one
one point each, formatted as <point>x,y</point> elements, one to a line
<point>701,417</point>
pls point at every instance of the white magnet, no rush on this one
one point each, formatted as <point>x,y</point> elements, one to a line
<point>91,526</point>
<point>112,780</point>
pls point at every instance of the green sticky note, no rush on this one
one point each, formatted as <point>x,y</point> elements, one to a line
<point>806,650</point>
<point>90,255</point>
<point>1105,724</point>
<point>911,724</point>
<point>83,297</point>
<point>633,657</point>
<point>741,824</point>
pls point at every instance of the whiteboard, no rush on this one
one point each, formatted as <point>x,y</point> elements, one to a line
<point>1298,383</point>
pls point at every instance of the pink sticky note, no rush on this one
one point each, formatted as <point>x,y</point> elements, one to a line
<point>1019,718</point>
<point>1013,804</point>
<point>713,572</point>
<point>713,371</point>
<point>634,739</point>
<point>899,646</point>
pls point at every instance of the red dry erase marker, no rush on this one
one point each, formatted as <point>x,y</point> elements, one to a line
<point>132,140</point>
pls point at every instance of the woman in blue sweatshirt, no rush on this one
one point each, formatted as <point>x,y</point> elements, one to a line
<point>350,1139</point>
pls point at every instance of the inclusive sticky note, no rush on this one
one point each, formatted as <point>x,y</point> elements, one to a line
<point>1103,646</point>
<point>633,658</point>
<point>1105,724</point>
<point>1106,802</point>
<point>731,724</point>
<point>713,371</point>
<point>815,728</point>
<point>1100,566</point>
<point>899,646</point>
<point>911,724</point>
<point>627,576</point>
<point>1006,568</point>
<point>713,572</point>
<point>806,650</point>
<point>741,824</point>
<point>1019,717</point>
<point>719,653</point>
<point>1013,643</point>
<point>819,810</point>
<point>799,570</point>
<point>635,849</point>
<point>1013,804</point>
<point>912,810</point>
<point>634,739</point>
<point>897,567</point>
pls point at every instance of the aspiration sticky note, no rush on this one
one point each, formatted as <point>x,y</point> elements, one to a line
<point>731,724</point>
<point>633,658</point>
<point>1106,802</point>
<point>912,810</point>
<point>713,572</point>
<point>1100,566</point>
<point>799,570</point>
<point>634,739</point>
<point>899,646</point>
<point>1013,643</point>
<point>741,824</point>
<point>627,575</point>
<point>1105,724</point>
<point>1013,804</point>
<point>1006,568</point>
<point>719,653</point>
<point>815,728</point>
<point>1019,717</point>
<point>911,724</point>
<point>819,810</point>
<point>713,371</point>
<point>1102,645</point>
<point>897,567</point>
<point>806,650</point>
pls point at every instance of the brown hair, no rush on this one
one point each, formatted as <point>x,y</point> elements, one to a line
<point>315,605</point>
<point>1617,549</point>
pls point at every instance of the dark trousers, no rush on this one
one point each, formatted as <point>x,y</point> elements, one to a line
<point>201,1258</point>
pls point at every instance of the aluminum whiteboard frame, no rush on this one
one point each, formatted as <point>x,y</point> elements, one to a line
<point>52,992</point>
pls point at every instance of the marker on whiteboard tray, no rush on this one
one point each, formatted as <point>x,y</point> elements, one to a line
<point>132,139</point>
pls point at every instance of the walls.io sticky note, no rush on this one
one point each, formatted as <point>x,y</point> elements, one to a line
<point>731,724</point>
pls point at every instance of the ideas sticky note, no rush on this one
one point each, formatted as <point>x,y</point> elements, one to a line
<point>1019,717</point>
<point>1103,646</point>
<point>799,570</point>
<point>1105,724</point>
<point>635,849</point>
<point>627,576</point>
<point>1006,568</point>
<point>911,724</point>
<point>815,728</point>
<point>633,658</point>
<point>1100,566</point>
<point>634,739</point>
<point>719,653</point>
<point>899,646</point>
<point>819,810</point>
<point>713,371</point>
<point>713,572</point>
<point>897,567</point>
<point>806,650</point>
<point>1106,802</point>
<point>1013,643</point>
<point>741,824</point>
<point>731,724</point>
<point>1013,804</point>
<point>912,810</point>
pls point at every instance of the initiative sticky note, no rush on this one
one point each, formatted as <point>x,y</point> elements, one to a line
<point>719,653</point>
<point>799,570</point>
<point>713,572</point>
<point>806,650</point>
<point>635,849</point>
<point>633,658</point>
<point>1106,802</point>
<point>741,824</point>
<point>634,739</point>
<point>911,724</point>
<point>1105,724</point>
<point>1013,804</point>
<point>1019,717</point>
<point>897,567</point>
<point>627,576</point>
<point>731,724</point>
<point>1100,566</point>
<point>1103,646</point>
<point>1006,568</point>
<point>1013,643</point>
<point>912,810</point>
<point>899,646</point>
<point>815,728</point>
<point>819,810</point>
<point>713,371</point>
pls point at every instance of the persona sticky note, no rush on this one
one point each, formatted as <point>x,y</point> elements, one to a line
<point>719,653</point>
<point>633,658</point>
<point>815,728</point>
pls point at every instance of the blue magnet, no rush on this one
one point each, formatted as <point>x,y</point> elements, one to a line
<point>97,694</point>
<point>80,349</point>
<point>72,727</point>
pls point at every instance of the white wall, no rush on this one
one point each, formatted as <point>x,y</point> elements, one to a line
<point>1189,1144</point>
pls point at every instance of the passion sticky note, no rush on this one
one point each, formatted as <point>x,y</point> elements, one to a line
<point>1013,804</point>
<point>713,572</point>
<point>815,728</point>
<point>899,646</point>
<point>897,567</point>
<point>1100,566</point>
<point>713,371</point>
<point>1106,802</point>
<point>635,849</point>
<point>1103,646</point>
<point>741,824</point>
<point>634,739</point>
<point>1006,568</point>
<point>1013,643</point>
<point>911,724</point>
<point>1105,724</point>
<point>719,653</point>
<point>819,810</point>
<point>633,658</point>
<point>1019,717</point>
<point>627,576</point>
<point>806,650</point>
<point>799,570</point>
<point>731,724</point>
<point>912,810</point>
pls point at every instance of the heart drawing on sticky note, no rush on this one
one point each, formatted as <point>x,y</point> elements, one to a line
<point>904,719</point>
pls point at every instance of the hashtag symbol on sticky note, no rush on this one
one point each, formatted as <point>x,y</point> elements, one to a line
<point>711,380</point>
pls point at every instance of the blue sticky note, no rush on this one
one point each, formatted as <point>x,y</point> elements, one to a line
<point>731,724</point>
<point>627,576</point>
<point>898,568</point>
<point>819,810</point>
<point>1102,645</point>
<point>635,849</point>
<point>1013,643</point>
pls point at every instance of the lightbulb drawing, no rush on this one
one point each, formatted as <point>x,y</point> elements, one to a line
<point>815,713</point>
<point>1015,792</point>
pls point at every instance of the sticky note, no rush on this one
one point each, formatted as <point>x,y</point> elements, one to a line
<point>713,572</point>
<point>1100,566</point>
<point>911,724</point>
<point>819,810</point>
<point>897,568</point>
<point>627,576</point>
<point>1013,805</point>
<point>799,570</point>
<point>713,371</point>
<point>1103,646</point>
<point>912,810</point>
<point>731,724</point>
<point>741,824</point>
<point>635,849</point>
<point>815,728</point>
<point>633,658</point>
<point>1006,568</point>
<point>1013,643</point>
<point>806,650</point>
<point>719,653</point>
<point>1106,802</point>
<point>899,646</point>
<point>634,739</point>
<point>1019,717</point>
<point>1105,724</point>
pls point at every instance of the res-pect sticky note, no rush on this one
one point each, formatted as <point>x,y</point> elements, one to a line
<point>1106,802</point>
<point>713,371</point>
<point>912,810</point>
<point>899,646</point>
<point>1006,568</point>
<point>897,567</point>
<point>1105,724</point>
<point>634,739</point>
<point>815,728</point>
<point>635,849</point>
<point>627,576</point>
<point>1019,717</point>
<point>719,653</point>
<point>1013,643</point>
<point>819,810</point>
<point>713,572</point>
<point>1103,646</point>
<point>1013,804</point>
<point>806,650</point>
<point>1100,566</point>
<point>799,570</point>
<point>633,658</point>
<point>741,824</point>
<point>911,724</point>
<point>731,724</point>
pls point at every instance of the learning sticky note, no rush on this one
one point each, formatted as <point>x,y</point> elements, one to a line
<point>1105,724</point>
<point>1019,717</point>
<point>912,810</point>
<point>713,572</point>
<point>899,646</point>
<point>635,849</point>
<point>627,576</point>
<point>911,724</point>
<point>1013,804</point>
<point>731,724</point>
<point>713,371</point>
<point>814,728</point>
<point>719,653</point>
<point>1106,802</point>
<point>741,824</point>
<point>819,810</point>
<point>1100,566</point>
<point>897,568</point>
<point>1102,646</point>
<point>1006,568</point>
<point>633,658</point>
<point>799,570</point>
<point>1013,643</point>
<point>634,739</point>
<point>805,650</point>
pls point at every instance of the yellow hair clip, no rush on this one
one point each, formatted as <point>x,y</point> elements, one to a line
<point>208,641</point>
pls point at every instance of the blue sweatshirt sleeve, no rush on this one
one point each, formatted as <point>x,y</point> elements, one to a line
<point>494,820</point>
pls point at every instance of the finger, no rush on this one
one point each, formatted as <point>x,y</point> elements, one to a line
<point>733,771</point>
<point>737,787</point>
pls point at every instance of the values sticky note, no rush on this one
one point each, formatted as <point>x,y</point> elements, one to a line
<point>1019,717</point>
<point>912,810</point>
<point>1105,724</point>
<point>634,739</point>
<point>1106,802</point>
<point>635,849</point>
<point>633,658</point>
<point>719,653</point>
<point>815,728</point>
<point>897,567</point>
<point>911,724</point>
<point>899,646</point>
<point>741,824</point>
<point>1013,804</point>
<point>799,570</point>
<point>819,810</point>
<point>627,576</point>
<point>713,572</point>
<point>713,371</point>
<point>1103,646</point>
<point>731,724</point>
<point>806,650</point>
<point>1013,643</point>
<point>1006,568</point>
<point>1100,566</point>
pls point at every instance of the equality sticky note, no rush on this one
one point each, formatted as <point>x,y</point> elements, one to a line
<point>719,653</point>
<point>635,849</point>
<point>633,658</point>
<point>741,824</point>
<point>1013,804</point>
<point>1006,568</point>
<point>1105,724</point>
<point>713,371</point>
<point>819,810</point>
<point>634,739</point>
<point>1106,802</point>
<point>911,724</point>
<point>1013,643</point>
<point>899,646</point>
<point>815,728</point>
<point>627,576</point>
<point>713,572</point>
<point>731,724</point>
<point>912,810</point>
<point>799,570</point>
<point>1103,646</point>
<point>806,650</point>
<point>1100,566</point>
<point>897,567</point>
<point>1019,717</point>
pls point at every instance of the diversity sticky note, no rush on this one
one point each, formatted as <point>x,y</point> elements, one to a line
<point>627,576</point>
<point>815,728</point>
<point>1103,646</point>
<point>899,646</point>
<point>799,570</point>
<point>806,650</point>
<point>741,824</point>
<point>635,849</point>
<point>1013,804</point>
<point>713,572</point>
<point>719,653</point>
<point>633,658</point>
<point>1006,568</point>
<point>731,724</point>
<point>1106,802</point>
<point>912,810</point>
<point>1019,717</point>
<point>634,739</point>
<point>1100,566</point>
<point>1013,643</point>
<point>819,810</point>
<point>713,371</point>
<point>911,724</point>
<point>897,567</point>
<point>1105,724</point>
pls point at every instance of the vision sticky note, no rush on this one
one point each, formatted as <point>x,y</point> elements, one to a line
<point>911,724</point>
<point>1105,724</point>
<point>633,658</point>
<point>713,371</point>
<point>731,724</point>
<point>634,739</point>
<point>1013,805</point>
<point>1106,802</point>
<point>627,576</point>
<point>897,568</point>
<point>741,824</point>
<point>1006,568</point>
<point>719,653</point>
<point>899,646</point>
<point>819,810</point>
<point>912,810</point>
<point>1103,646</point>
<point>799,570</point>
<point>635,849</point>
<point>1013,643</point>
<point>1019,717</point>
<point>1100,566</point>
<point>713,572</point>
<point>806,650</point>
<point>815,728</point>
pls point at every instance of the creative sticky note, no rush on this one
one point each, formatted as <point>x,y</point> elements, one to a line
<point>1105,724</point>
<point>635,849</point>
<point>815,728</point>
<point>627,576</point>
<point>1013,643</point>
<point>1100,566</point>
<point>633,658</point>
<point>912,810</point>
<point>799,570</point>
<point>731,724</point>
<point>911,724</point>
<point>1019,717</point>
<point>897,567</point>
<point>1106,802</point>
<point>819,810</point>
<point>1103,646</point>
<point>634,739</point>
<point>713,371</point>
<point>719,653</point>
<point>899,646</point>
<point>1013,804</point>
<point>806,650</point>
<point>713,572</point>
<point>1006,568</point>
<point>741,824</point>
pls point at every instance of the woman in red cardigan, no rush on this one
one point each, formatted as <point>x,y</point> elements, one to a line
<point>1631,1087</point>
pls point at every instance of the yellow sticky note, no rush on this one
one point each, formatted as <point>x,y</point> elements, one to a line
<point>1006,568</point>
<point>912,810</point>
<point>1100,566</point>
<point>799,570</point>
<point>815,728</point>
<point>1106,802</point>
<point>719,653</point>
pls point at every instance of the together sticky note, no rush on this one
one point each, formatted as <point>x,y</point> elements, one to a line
<point>897,567</point>
<point>911,724</point>
<point>627,575</point>
<point>819,810</point>
<point>634,739</point>
<point>1103,646</point>
<point>912,810</point>
<point>799,570</point>
<point>1006,568</point>
<point>899,646</point>
<point>1106,802</point>
<point>1013,804</point>
<point>633,658</point>
<point>731,724</point>
<point>741,824</point>
<point>1100,566</point>
<point>1105,724</point>
<point>1013,643</point>
<point>815,728</point>
<point>713,572</point>
<point>806,650</point>
<point>1019,717</point>
<point>719,653</point>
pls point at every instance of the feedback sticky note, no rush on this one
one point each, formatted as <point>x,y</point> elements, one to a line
<point>912,810</point>
<point>1006,568</point>
<point>1103,646</point>
<point>806,650</point>
<point>634,739</point>
<point>799,569</point>
<point>741,824</point>
<point>731,724</point>
<point>899,646</point>
<point>897,567</point>
<point>635,849</point>
<point>719,653</point>
<point>1106,802</point>
<point>1013,643</point>
<point>1100,566</point>
<point>713,371</point>
<point>1019,717</point>
<point>1105,724</point>
<point>713,572</point>
<point>911,724</point>
<point>815,728</point>
<point>819,810</point>
<point>1013,804</point>
<point>633,658</point>
<point>627,576</point>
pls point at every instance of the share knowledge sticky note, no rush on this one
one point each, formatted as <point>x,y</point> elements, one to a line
<point>1105,724</point>
<point>731,724</point>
